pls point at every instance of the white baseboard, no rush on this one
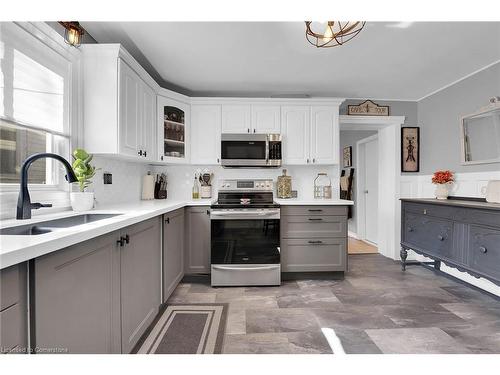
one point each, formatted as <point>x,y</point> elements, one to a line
<point>352,234</point>
<point>466,185</point>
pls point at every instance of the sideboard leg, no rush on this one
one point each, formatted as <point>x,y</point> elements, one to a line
<point>403,254</point>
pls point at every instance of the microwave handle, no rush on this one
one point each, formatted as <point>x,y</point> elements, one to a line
<point>267,149</point>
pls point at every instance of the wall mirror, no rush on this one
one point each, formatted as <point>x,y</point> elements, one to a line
<point>480,135</point>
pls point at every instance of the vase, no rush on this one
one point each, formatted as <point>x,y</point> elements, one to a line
<point>442,191</point>
<point>82,201</point>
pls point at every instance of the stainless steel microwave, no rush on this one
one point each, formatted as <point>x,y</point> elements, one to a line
<point>250,150</point>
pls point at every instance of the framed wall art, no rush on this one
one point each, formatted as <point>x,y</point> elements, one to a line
<point>347,157</point>
<point>410,149</point>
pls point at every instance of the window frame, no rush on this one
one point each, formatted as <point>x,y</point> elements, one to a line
<point>73,113</point>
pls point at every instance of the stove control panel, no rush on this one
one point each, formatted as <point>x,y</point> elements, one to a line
<point>246,185</point>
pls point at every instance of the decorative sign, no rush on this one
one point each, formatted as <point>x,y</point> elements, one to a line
<point>347,157</point>
<point>368,108</point>
<point>410,149</point>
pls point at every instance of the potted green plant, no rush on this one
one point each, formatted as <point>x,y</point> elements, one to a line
<point>82,200</point>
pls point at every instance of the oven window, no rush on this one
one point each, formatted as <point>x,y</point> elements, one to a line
<point>243,150</point>
<point>245,241</point>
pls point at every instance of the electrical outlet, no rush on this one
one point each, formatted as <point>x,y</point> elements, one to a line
<point>108,178</point>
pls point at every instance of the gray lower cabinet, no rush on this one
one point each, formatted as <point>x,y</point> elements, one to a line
<point>313,238</point>
<point>77,298</point>
<point>463,234</point>
<point>13,309</point>
<point>140,279</point>
<point>197,246</point>
<point>98,296</point>
<point>173,251</point>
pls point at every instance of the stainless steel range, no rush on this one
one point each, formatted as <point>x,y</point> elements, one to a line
<point>245,234</point>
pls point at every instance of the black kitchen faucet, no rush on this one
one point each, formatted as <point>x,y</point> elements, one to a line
<point>24,205</point>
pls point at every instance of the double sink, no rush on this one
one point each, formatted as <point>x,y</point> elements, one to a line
<point>51,225</point>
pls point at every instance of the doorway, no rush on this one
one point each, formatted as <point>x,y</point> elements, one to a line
<point>388,129</point>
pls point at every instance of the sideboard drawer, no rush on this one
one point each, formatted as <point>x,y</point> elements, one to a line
<point>435,210</point>
<point>313,226</point>
<point>432,234</point>
<point>484,245</point>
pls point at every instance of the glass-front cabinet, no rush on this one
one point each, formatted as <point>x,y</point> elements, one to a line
<point>173,130</point>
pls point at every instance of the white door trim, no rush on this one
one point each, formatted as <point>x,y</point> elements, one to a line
<point>389,146</point>
<point>360,186</point>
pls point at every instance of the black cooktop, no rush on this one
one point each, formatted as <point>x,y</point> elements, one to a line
<point>243,199</point>
<point>240,205</point>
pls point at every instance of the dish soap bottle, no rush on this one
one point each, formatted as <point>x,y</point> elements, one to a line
<point>196,189</point>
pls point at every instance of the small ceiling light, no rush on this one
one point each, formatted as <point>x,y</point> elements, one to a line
<point>73,34</point>
<point>335,34</point>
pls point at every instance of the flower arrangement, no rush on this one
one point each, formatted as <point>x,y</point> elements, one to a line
<point>443,177</point>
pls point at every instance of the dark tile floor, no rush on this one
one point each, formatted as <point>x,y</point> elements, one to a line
<point>377,308</point>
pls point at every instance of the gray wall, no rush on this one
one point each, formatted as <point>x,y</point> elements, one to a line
<point>397,108</point>
<point>349,138</point>
<point>439,119</point>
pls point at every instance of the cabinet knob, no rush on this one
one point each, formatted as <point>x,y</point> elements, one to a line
<point>314,160</point>
<point>308,161</point>
<point>140,152</point>
<point>248,130</point>
<point>483,249</point>
<point>167,220</point>
<point>145,154</point>
<point>440,238</point>
<point>126,239</point>
<point>208,212</point>
<point>161,157</point>
<point>217,160</point>
<point>254,130</point>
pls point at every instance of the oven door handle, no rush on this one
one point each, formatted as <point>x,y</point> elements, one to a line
<point>229,268</point>
<point>243,213</point>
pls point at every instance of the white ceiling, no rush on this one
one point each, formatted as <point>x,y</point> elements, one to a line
<point>403,61</point>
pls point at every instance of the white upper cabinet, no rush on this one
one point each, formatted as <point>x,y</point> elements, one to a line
<point>236,118</point>
<point>148,135</point>
<point>310,134</point>
<point>129,116</point>
<point>266,119</point>
<point>324,135</point>
<point>295,128</point>
<point>173,130</point>
<point>119,104</point>
<point>205,134</point>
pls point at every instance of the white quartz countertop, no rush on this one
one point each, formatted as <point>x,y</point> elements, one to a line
<point>313,202</point>
<point>17,249</point>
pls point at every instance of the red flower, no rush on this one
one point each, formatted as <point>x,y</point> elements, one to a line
<point>443,177</point>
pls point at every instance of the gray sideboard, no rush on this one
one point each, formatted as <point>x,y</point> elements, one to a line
<point>464,234</point>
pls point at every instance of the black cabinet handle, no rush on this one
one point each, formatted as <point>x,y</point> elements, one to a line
<point>315,242</point>
<point>161,157</point>
<point>140,152</point>
<point>145,154</point>
<point>440,238</point>
<point>126,239</point>
<point>208,212</point>
<point>315,219</point>
<point>167,220</point>
<point>315,210</point>
<point>483,249</point>
<point>120,242</point>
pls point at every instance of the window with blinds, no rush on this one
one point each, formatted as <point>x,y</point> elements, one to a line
<point>34,110</point>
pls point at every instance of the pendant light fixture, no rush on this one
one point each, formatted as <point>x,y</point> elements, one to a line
<point>336,33</point>
<point>73,34</point>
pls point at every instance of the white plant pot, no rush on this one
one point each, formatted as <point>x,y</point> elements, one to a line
<point>82,201</point>
<point>442,191</point>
